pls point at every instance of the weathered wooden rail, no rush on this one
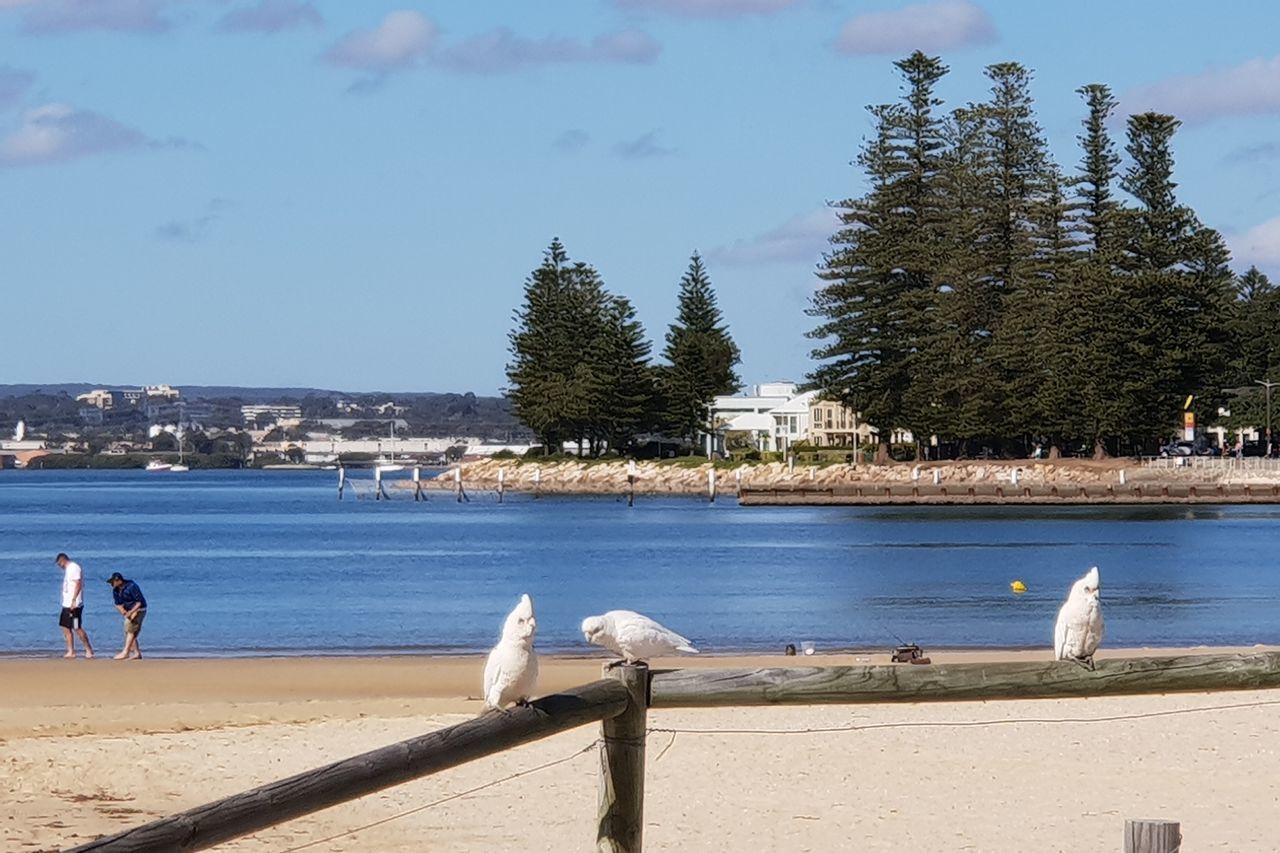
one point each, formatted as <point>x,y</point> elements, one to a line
<point>621,703</point>
<point>695,688</point>
<point>278,802</point>
<point>871,494</point>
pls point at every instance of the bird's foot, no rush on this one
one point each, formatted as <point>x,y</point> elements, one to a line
<point>615,664</point>
<point>1086,662</point>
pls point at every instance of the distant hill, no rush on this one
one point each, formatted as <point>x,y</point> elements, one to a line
<point>211,392</point>
<point>53,407</point>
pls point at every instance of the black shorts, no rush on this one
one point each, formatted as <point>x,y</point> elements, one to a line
<point>70,617</point>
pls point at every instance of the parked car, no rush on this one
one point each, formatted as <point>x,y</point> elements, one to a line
<point>1184,448</point>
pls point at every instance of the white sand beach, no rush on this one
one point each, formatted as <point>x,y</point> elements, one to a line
<point>91,747</point>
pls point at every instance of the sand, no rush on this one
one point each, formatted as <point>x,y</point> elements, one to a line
<point>89,747</point>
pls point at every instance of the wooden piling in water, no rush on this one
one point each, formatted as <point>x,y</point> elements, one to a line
<point>342,480</point>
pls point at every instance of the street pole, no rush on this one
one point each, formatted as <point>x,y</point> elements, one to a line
<point>1268,384</point>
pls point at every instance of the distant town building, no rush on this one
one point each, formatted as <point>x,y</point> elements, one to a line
<point>178,412</point>
<point>259,414</point>
<point>833,424</point>
<point>112,398</point>
<point>99,398</point>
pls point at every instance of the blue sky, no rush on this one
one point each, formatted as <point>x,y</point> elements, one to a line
<point>350,195</point>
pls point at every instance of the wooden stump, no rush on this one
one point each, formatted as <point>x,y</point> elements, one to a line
<point>621,804</point>
<point>1152,836</point>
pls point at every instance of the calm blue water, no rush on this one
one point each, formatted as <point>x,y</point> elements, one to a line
<point>270,562</point>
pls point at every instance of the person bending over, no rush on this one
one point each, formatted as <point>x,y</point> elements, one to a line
<point>133,607</point>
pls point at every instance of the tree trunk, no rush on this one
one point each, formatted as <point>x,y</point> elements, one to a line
<point>883,457</point>
<point>1099,449</point>
<point>1055,452</point>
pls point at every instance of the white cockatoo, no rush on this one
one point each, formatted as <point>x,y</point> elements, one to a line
<point>633,635</point>
<point>511,672</point>
<point>1078,631</point>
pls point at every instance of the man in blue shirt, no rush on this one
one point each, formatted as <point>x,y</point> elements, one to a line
<point>133,607</point>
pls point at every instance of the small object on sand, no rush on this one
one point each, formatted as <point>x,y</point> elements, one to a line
<point>1018,586</point>
<point>909,653</point>
<point>806,648</point>
<point>790,650</point>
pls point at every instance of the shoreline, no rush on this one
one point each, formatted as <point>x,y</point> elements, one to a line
<point>57,697</point>
<point>735,657</point>
<point>1026,481</point>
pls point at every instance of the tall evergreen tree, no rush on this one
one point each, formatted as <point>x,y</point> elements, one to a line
<point>1098,172</point>
<point>1257,336</point>
<point>879,274</point>
<point>700,353</point>
<point>1022,231</point>
<point>1091,319</point>
<point>542,362</point>
<point>579,367</point>
<point>1179,287</point>
<point>622,356</point>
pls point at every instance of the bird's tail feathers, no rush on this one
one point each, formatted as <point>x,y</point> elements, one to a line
<point>687,648</point>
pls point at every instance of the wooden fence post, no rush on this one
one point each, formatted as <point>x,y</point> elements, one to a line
<point>621,812</point>
<point>1152,836</point>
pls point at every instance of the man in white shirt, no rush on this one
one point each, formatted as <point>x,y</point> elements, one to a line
<point>72,605</point>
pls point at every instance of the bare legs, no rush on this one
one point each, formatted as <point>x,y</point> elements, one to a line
<point>68,635</point>
<point>130,649</point>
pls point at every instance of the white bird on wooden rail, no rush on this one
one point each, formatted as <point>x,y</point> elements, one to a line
<point>633,635</point>
<point>1078,631</point>
<point>511,672</point>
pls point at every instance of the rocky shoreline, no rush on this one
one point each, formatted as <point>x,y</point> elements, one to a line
<point>664,478</point>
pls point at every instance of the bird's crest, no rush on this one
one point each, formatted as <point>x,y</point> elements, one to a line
<point>520,623</point>
<point>1087,585</point>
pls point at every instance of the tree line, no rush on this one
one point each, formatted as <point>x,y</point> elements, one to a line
<point>581,368</point>
<point>978,293</point>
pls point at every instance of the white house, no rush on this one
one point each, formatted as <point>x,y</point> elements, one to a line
<point>791,420</point>
<point>773,413</point>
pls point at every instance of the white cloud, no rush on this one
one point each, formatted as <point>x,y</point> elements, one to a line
<point>802,238</point>
<point>271,16</point>
<point>501,50</point>
<point>402,40</point>
<point>1259,246</point>
<point>56,132</point>
<point>1250,88</point>
<point>709,8</point>
<point>926,26</point>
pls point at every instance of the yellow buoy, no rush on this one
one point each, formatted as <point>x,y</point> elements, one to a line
<point>1018,586</point>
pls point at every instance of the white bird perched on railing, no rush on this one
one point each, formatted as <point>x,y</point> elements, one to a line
<point>1078,631</point>
<point>633,635</point>
<point>511,672</point>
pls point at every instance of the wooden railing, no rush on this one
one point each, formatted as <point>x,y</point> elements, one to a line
<point>621,702</point>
